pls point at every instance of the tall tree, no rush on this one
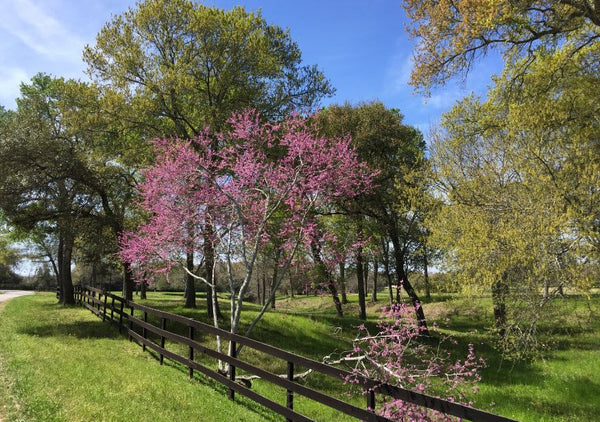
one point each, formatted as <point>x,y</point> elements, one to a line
<point>396,151</point>
<point>39,158</point>
<point>524,167</point>
<point>172,68</point>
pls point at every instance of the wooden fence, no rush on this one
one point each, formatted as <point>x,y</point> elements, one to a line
<point>132,318</point>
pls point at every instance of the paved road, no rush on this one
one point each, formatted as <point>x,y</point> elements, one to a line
<point>10,294</point>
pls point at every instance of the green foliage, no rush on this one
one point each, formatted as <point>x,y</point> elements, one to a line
<point>519,175</point>
<point>454,34</point>
<point>181,66</point>
<point>393,212</point>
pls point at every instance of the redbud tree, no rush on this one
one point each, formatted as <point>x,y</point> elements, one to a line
<point>399,354</point>
<point>232,189</point>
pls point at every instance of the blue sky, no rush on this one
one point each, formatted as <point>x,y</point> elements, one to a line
<point>361,45</point>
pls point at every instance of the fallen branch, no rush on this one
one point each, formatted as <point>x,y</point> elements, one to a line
<point>246,380</point>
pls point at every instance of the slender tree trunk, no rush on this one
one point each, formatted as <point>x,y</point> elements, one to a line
<point>143,290</point>
<point>403,278</point>
<point>386,267</point>
<point>367,271</point>
<point>190,282</point>
<point>343,282</point>
<point>327,278</point>
<point>264,288</point>
<point>499,294</point>
<point>209,265</point>
<point>362,313</point>
<point>375,277</point>
<point>59,271</point>
<point>426,274</point>
<point>67,291</point>
<point>258,292</point>
<point>128,283</point>
<point>275,275</point>
<point>93,275</point>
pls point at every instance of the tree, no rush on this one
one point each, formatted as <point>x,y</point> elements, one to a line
<point>64,179</point>
<point>9,257</point>
<point>396,152</point>
<point>519,177</point>
<point>173,68</point>
<point>452,35</point>
<point>395,355</point>
<point>38,158</point>
<point>240,190</point>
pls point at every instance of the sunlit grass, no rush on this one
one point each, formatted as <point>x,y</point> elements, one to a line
<point>64,364</point>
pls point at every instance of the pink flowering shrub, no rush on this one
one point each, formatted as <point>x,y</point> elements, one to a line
<point>399,355</point>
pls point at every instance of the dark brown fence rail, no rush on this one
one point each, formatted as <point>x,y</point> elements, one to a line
<point>133,318</point>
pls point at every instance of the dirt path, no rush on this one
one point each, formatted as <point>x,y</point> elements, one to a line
<point>10,294</point>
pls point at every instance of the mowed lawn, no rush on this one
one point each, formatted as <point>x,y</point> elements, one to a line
<point>64,364</point>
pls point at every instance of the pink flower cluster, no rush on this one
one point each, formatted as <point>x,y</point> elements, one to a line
<point>240,183</point>
<point>399,355</point>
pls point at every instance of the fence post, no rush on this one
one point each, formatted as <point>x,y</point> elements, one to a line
<point>371,400</point>
<point>162,339</point>
<point>131,325</point>
<point>191,353</point>
<point>121,317</point>
<point>105,302</point>
<point>144,332</point>
<point>290,393</point>
<point>233,348</point>
<point>112,309</point>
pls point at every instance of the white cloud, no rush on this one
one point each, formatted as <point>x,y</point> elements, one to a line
<point>39,31</point>
<point>10,81</point>
<point>397,74</point>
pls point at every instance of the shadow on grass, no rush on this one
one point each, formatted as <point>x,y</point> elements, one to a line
<point>265,413</point>
<point>78,329</point>
<point>578,400</point>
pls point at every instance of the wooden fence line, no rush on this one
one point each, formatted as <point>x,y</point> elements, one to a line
<point>114,312</point>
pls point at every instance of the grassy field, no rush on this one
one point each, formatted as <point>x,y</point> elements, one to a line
<point>64,364</point>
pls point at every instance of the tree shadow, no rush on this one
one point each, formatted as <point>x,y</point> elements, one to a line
<point>77,329</point>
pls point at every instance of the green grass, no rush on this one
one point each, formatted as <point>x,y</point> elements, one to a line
<point>563,385</point>
<point>64,364</point>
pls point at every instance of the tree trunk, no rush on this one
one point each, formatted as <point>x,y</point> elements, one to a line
<point>362,313</point>
<point>326,277</point>
<point>143,290</point>
<point>402,278</point>
<point>190,282</point>
<point>375,277</point>
<point>67,292</point>
<point>343,282</point>
<point>209,265</point>
<point>128,283</point>
<point>426,274</point>
<point>386,266</point>
<point>499,294</point>
<point>275,275</point>
<point>366,270</point>
<point>59,272</point>
<point>258,292</point>
<point>264,288</point>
